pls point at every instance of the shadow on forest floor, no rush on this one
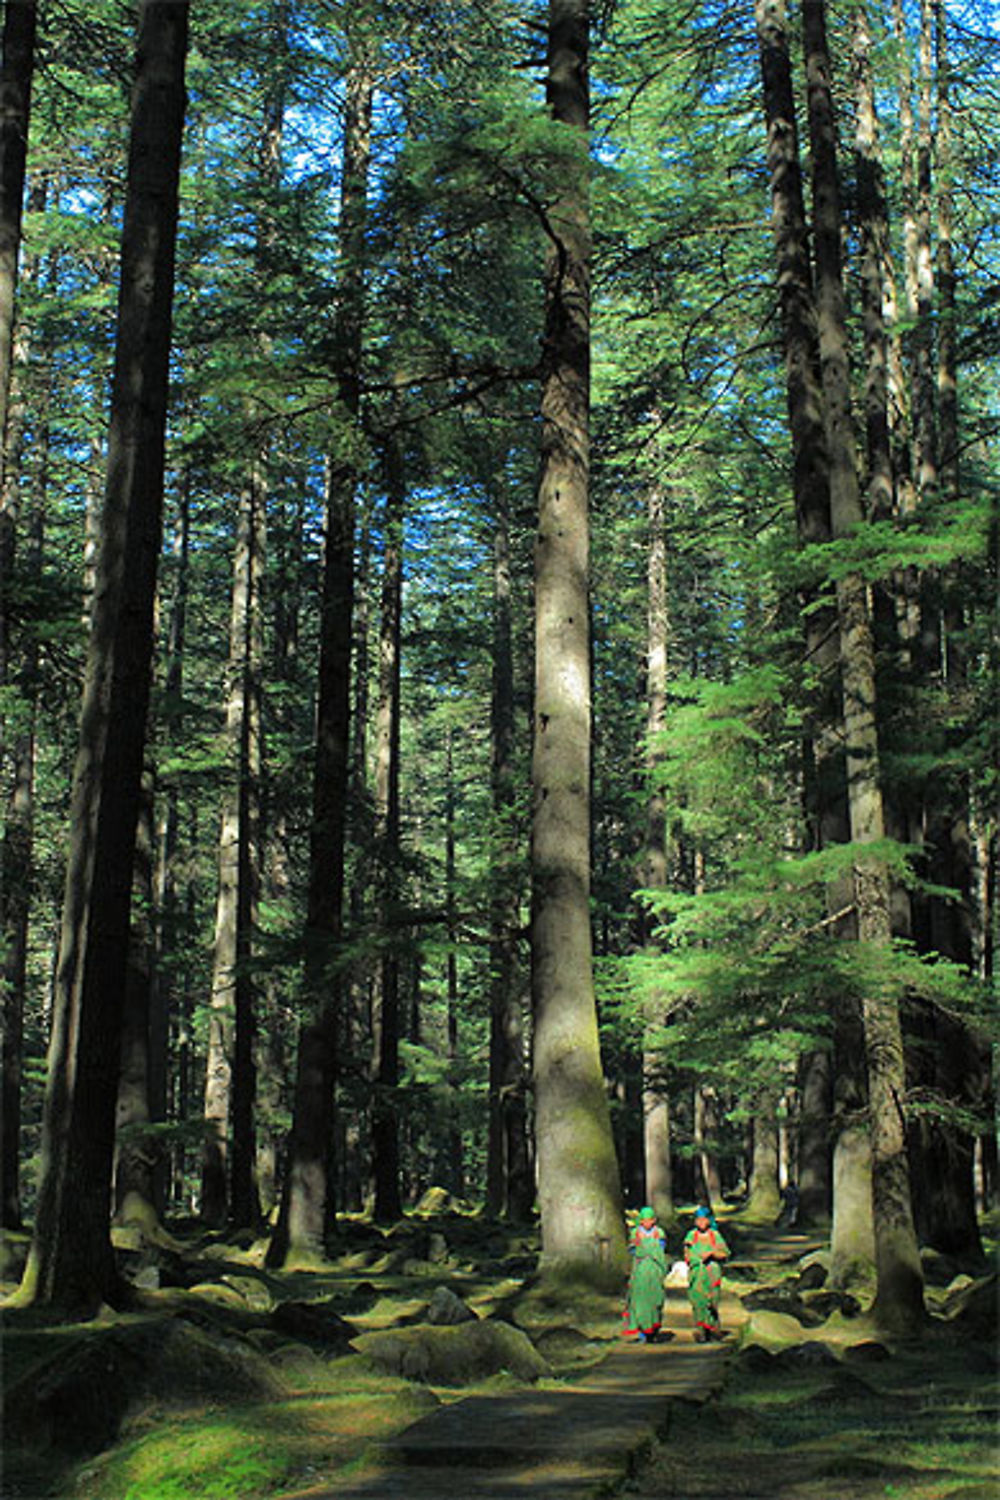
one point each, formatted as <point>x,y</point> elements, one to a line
<point>231,1380</point>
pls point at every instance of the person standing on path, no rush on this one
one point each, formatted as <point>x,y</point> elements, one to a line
<point>704,1252</point>
<point>644,1305</point>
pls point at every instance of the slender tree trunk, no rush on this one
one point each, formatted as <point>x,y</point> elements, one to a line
<point>308,1203</point>
<point>16,73</point>
<point>764,1199</point>
<point>706,1121</point>
<point>385,1116</point>
<point>899,1297</point>
<point>510,1188</point>
<point>70,1262</point>
<point>168,928</point>
<point>655,1096</point>
<point>134,1195</point>
<point>456,1165</point>
<point>17,879</point>
<point>815,1133</point>
<point>579,1187</point>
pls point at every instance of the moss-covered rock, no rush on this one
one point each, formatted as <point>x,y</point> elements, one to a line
<point>77,1399</point>
<point>461,1355</point>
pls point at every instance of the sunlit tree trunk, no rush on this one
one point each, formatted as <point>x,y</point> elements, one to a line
<point>578,1182</point>
<point>70,1262</point>
<point>899,1297</point>
<point>655,1094</point>
<point>763,1197</point>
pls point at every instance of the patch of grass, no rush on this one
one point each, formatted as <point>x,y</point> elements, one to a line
<point>245,1452</point>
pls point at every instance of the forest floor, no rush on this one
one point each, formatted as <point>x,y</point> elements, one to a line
<point>348,1379</point>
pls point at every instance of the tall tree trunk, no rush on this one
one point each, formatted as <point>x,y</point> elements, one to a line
<point>16,74</point>
<point>655,1095</point>
<point>17,856</point>
<point>510,1187</point>
<point>456,1164</point>
<point>578,1182</point>
<point>308,1203</point>
<point>70,1262</point>
<point>825,797</point>
<point>134,1194</point>
<point>385,1115</point>
<point>899,1296</point>
<point>168,928</point>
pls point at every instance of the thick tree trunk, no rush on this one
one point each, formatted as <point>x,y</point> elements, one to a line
<point>899,1298</point>
<point>579,1188</point>
<point>308,1202</point>
<point>510,1189</point>
<point>70,1262</point>
<point>825,793</point>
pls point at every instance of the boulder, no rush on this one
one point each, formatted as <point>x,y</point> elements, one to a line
<point>455,1356</point>
<point>812,1354</point>
<point>445,1309</point>
<point>974,1307</point>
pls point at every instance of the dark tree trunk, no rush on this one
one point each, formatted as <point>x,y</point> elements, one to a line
<point>510,1189</point>
<point>815,1139</point>
<point>16,73</point>
<point>134,1195</point>
<point>308,1201</point>
<point>385,1114</point>
<point>899,1297</point>
<point>70,1262</point>
<point>579,1187</point>
<point>169,1024</point>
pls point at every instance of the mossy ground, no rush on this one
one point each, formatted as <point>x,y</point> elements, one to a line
<point>918,1427</point>
<point>205,1393</point>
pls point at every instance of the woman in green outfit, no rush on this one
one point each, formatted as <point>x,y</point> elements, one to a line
<point>704,1252</point>
<point>644,1308</point>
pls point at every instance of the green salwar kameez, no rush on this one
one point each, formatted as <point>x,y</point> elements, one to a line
<point>644,1308</point>
<point>704,1252</point>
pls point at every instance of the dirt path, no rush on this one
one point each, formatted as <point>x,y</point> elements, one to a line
<point>565,1443</point>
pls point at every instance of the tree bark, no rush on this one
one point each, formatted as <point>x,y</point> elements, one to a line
<point>385,1114</point>
<point>16,75</point>
<point>899,1296</point>
<point>308,1199</point>
<point>655,1103</point>
<point>510,1187</point>
<point>578,1182</point>
<point>70,1262</point>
